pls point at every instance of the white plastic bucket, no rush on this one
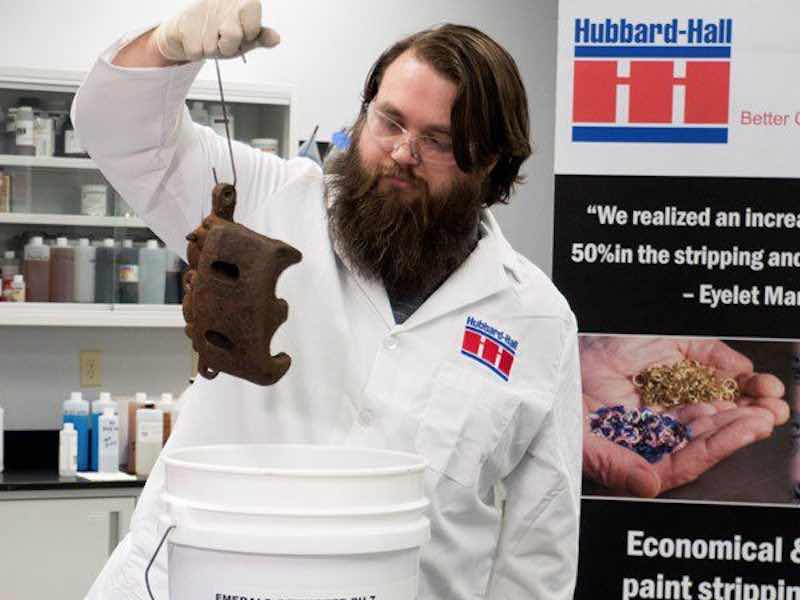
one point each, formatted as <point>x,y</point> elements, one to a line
<point>294,522</point>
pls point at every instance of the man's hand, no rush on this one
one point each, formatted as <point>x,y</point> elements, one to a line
<point>718,429</point>
<point>214,29</point>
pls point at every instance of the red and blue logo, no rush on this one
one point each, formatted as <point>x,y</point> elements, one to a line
<point>489,346</point>
<point>665,82</point>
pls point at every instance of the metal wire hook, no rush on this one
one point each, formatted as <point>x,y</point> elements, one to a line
<point>227,131</point>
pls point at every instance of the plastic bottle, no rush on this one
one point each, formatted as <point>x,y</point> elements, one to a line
<point>26,139</point>
<point>199,114</point>
<point>173,291</point>
<point>9,266</point>
<point>123,402</point>
<point>99,406</point>
<point>68,451</point>
<point>62,271</point>
<point>44,127</point>
<point>105,273</point>
<point>108,442</point>
<point>170,410</point>
<point>139,401</point>
<point>152,273</point>
<point>83,284</point>
<point>36,269</point>
<point>17,291</point>
<point>128,273</point>
<point>72,145</point>
<point>149,437</point>
<point>58,110</point>
<point>76,411</point>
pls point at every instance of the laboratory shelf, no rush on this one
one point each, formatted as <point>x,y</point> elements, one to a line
<point>47,162</point>
<point>71,220</point>
<point>55,314</point>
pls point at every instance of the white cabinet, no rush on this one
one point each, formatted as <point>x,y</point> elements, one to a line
<point>46,188</point>
<point>55,548</point>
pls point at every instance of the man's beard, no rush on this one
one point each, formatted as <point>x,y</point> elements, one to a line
<point>410,239</point>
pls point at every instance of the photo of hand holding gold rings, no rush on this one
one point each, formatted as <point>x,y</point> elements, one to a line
<point>661,412</point>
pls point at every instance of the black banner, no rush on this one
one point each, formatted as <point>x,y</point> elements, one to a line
<point>680,255</point>
<point>675,551</point>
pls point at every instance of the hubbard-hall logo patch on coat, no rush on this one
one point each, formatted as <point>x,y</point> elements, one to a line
<point>489,346</point>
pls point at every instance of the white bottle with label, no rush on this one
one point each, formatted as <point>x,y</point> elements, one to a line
<point>99,406</point>
<point>44,128</point>
<point>138,401</point>
<point>108,442</point>
<point>149,437</point>
<point>68,451</point>
<point>26,137</point>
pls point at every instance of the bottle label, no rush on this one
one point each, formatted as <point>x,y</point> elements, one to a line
<point>25,135</point>
<point>37,253</point>
<point>44,136</point>
<point>72,145</point>
<point>150,431</point>
<point>129,273</point>
<point>17,294</point>
<point>108,459</point>
<point>109,432</point>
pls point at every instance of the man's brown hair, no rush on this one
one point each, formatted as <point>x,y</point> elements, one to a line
<point>489,119</point>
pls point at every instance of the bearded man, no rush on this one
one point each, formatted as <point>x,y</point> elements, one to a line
<point>406,287</point>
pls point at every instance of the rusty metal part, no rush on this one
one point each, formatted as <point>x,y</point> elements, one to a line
<point>230,306</point>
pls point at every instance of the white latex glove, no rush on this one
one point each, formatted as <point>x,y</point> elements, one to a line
<point>214,29</point>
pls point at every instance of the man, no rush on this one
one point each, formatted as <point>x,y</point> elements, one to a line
<point>406,281</point>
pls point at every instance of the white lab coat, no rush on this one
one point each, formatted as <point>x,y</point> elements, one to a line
<point>356,378</point>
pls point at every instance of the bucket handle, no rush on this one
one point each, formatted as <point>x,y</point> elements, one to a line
<point>153,559</point>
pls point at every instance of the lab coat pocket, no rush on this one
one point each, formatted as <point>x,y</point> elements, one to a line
<point>463,422</point>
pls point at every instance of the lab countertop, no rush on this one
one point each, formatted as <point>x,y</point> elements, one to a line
<point>29,480</point>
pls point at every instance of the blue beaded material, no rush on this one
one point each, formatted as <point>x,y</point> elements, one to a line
<point>644,431</point>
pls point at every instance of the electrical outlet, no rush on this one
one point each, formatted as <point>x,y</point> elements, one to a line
<point>91,369</point>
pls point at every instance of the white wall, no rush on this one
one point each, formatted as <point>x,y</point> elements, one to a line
<point>326,51</point>
<point>39,366</point>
